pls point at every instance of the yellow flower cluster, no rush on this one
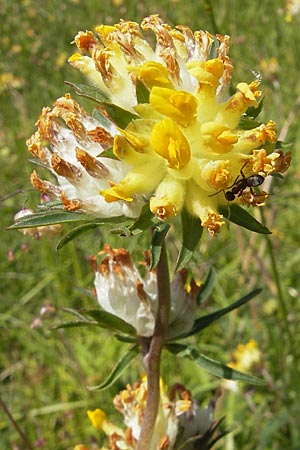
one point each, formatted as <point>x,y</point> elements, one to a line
<point>183,146</point>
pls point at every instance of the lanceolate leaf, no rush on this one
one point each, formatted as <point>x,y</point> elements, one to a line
<point>49,217</point>
<point>120,116</point>
<point>122,364</point>
<point>158,237</point>
<point>241,217</point>
<point>145,220</point>
<point>99,318</point>
<point>110,321</point>
<point>212,366</point>
<point>89,92</point>
<point>204,322</point>
<point>77,231</point>
<point>191,234</point>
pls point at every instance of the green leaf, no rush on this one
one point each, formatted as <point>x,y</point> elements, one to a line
<point>90,92</point>
<point>145,220</point>
<point>75,232</point>
<point>191,235</point>
<point>203,322</point>
<point>50,217</point>
<point>158,237</point>
<point>104,121</point>
<point>207,287</point>
<point>117,371</point>
<point>142,92</point>
<point>241,217</point>
<point>110,321</point>
<point>213,366</point>
<point>120,116</point>
<point>248,123</point>
<point>74,324</point>
<point>81,229</point>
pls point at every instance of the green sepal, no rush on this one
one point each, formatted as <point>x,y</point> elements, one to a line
<point>142,92</point>
<point>191,235</point>
<point>207,286</point>
<point>212,366</point>
<point>145,220</point>
<point>240,216</point>
<point>50,217</point>
<point>158,237</point>
<point>203,322</point>
<point>117,371</point>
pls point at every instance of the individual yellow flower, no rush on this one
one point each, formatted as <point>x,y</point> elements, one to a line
<point>246,356</point>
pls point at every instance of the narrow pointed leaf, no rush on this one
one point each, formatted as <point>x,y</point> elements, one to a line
<point>74,324</point>
<point>158,237</point>
<point>117,371</point>
<point>50,217</point>
<point>241,217</point>
<point>207,287</point>
<point>75,232</point>
<point>191,235</point>
<point>84,228</point>
<point>215,367</point>
<point>90,92</point>
<point>204,322</point>
<point>145,220</point>
<point>120,116</point>
<point>110,321</point>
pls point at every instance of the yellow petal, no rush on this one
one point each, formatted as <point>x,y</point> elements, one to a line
<point>169,142</point>
<point>178,105</point>
<point>152,73</point>
<point>97,417</point>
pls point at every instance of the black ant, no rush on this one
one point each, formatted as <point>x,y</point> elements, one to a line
<point>240,184</point>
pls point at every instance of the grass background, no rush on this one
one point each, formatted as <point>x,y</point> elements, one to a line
<point>43,373</point>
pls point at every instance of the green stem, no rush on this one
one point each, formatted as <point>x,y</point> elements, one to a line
<point>152,357</point>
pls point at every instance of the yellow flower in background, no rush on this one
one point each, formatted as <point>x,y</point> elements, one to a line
<point>246,356</point>
<point>182,146</point>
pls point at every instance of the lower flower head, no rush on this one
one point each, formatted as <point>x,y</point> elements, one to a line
<point>122,291</point>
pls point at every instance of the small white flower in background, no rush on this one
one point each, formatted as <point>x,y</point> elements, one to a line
<point>123,292</point>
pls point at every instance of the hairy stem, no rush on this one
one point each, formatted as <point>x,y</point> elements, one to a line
<point>152,358</point>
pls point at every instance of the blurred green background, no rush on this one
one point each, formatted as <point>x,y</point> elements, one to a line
<point>43,373</point>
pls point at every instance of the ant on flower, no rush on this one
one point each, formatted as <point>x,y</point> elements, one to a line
<point>240,184</point>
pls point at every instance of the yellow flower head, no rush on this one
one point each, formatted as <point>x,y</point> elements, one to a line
<point>184,143</point>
